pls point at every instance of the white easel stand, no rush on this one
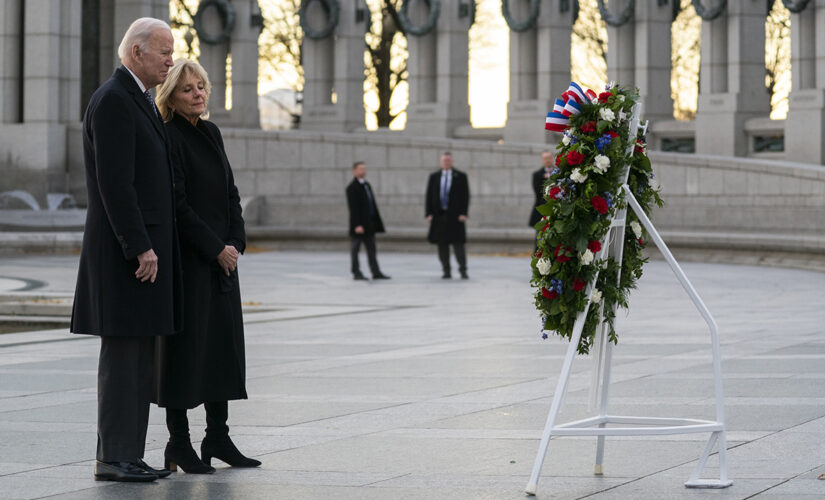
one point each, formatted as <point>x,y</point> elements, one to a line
<point>638,426</point>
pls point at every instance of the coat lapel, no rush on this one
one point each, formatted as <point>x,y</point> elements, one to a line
<point>132,87</point>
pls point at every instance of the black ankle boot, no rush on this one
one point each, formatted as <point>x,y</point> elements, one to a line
<point>217,443</point>
<point>225,450</point>
<point>184,456</point>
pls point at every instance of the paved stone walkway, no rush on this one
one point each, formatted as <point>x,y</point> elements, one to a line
<point>421,388</point>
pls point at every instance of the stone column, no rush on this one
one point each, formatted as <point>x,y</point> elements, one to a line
<point>653,59</point>
<point>334,70</point>
<point>621,51</point>
<point>124,13</point>
<point>10,61</point>
<point>805,125</point>
<point>732,78</point>
<point>539,70</point>
<point>438,72</point>
<point>639,55</point>
<point>213,59</point>
<point>244,49</point>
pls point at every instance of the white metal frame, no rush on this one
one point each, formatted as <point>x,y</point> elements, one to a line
<point>638,426</point>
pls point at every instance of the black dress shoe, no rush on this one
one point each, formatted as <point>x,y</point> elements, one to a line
<point>224,449</point>
<point>359,277</point>
<point>380,276</point>
<point>122,471</point>
<point>446,276</point>
<point>160,473</point>
<point>464,275</point>
<point>184,456</point>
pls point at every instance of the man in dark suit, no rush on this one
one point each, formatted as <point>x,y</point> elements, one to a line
<point>447,204</point>
<point>129,279</point>
<point>364,222</point>
<point>540,176</point>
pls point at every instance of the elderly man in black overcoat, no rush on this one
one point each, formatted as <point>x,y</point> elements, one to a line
<point>540,176</point>
<point>364,222</point>
<point>447,205</point>
<point>129,280</point>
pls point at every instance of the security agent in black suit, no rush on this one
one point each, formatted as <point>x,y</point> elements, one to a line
<point>364,221</point>
<point>129,279</point>
<point>447,204</point>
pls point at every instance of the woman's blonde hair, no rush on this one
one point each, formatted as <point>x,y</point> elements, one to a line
<point>181,69</point>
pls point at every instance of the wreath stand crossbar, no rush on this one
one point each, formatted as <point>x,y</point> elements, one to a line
<point>635,426</point>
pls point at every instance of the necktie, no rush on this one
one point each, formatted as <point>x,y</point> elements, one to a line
<point>151,101</point>
<point>369,198</point>
<point>445,190</point>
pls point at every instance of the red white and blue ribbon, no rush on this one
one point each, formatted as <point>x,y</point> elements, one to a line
<point>570,104</point>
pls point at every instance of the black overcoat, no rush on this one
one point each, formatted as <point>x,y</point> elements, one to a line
<point>359,209</point>
<point>538,189</point>
<point>206,362</point>
<point>445,226</point>
<point>130,210</point>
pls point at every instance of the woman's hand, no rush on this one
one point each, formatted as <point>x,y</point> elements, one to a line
<point>228,259</point>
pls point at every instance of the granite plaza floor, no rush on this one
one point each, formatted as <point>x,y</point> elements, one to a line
<point>424,388</point>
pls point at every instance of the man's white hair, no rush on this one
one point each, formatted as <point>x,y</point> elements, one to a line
<point>139,34</point>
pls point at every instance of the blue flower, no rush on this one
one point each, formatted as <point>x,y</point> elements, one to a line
<point>602,142</point>
<point>609,198</point>
<point>543,336</point>
<point>555,171</point>
<point>555,285</point>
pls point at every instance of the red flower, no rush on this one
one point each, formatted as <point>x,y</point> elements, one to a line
<point>612,134</point>
<point>589,127</point>
<point>574,158</point>
<point>641,242</point>
<point>545,228</point>
<point>558,159</point>
<point>599,204</point>
<point>538,254</point>
<point>554,191</point>
<point>547,294</point>
<point>640,147</point>
<point>560,255</point>
<point>594,246</point>
<point>604,96</point>
<point>579,284</point>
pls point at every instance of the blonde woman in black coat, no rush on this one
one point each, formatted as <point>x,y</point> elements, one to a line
<point>206,363</point>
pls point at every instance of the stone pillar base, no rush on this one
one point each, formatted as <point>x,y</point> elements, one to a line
<point>329,118</point>
<point>525,122</point>
<point>805,127</point>
<point>431,119</point>
<point>720,123</point>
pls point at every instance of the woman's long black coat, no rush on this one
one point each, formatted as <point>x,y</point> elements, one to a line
<point>206,362</point>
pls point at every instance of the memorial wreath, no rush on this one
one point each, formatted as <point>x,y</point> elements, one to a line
<point>582,194</point>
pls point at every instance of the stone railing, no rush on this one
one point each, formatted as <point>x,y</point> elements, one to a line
<point>293,186</point>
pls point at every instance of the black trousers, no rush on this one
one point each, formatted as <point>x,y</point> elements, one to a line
<point>460,256</point>
<point>124,390</point>
<point>369,241</point>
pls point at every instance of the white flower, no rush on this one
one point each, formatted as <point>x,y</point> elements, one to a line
<point>602,163</point>
<point>596,296</point>
<point>610,85</point>
<point>577,176</point>
<point>621,98</point>
<point>637,228</point>
<point>607,114</point>
<point>586,257</point>
<point>544,265</point>
<point>566,140</point>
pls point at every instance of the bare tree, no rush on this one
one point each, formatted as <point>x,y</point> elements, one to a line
<point>589,46</point>
<point>778,59</point>
<point>279,45</point>
<point>385,59</point>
